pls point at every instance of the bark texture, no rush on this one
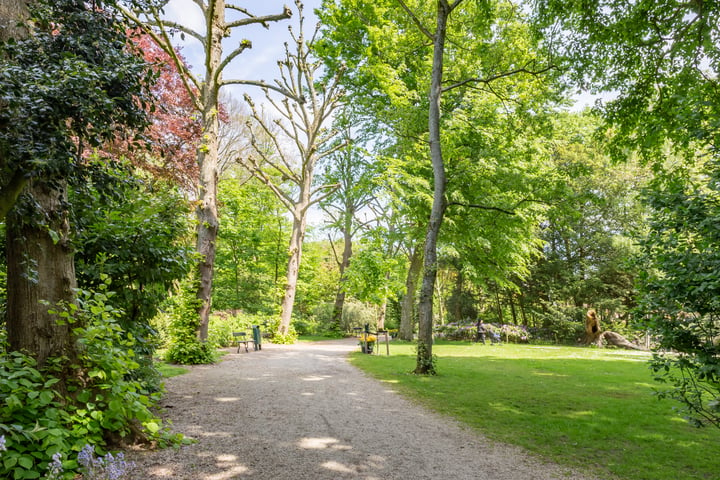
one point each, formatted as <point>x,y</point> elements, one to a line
<point>407,312</point>
<point>207,211</point>
<point>342,266</point>
<point>41,272</point>
<point>425,308</point>
<point>294,258</point>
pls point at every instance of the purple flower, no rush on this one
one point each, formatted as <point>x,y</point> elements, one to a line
<point>55,468</point>
<point>2,443</point>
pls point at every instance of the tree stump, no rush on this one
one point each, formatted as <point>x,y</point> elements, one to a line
<point>594,335</point>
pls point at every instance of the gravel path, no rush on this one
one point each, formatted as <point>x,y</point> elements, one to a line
<point>303,412</point>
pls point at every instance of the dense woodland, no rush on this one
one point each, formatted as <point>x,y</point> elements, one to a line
<point>147,213</point>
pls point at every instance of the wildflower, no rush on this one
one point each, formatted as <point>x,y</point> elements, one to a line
<point>2,443</point>
<point>55,468</point>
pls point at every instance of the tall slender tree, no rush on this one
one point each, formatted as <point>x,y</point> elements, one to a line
<point>353,173</point>
<point>395,51</point>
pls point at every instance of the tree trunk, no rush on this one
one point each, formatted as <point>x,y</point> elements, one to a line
<point>293,270</point>
<point>336,324</point>
<point>382,314</point>
<point>407,313</point>
<point>13,15</point>
<point>618,340</point>
<point>40,272</point>
<point>207,157</point>
<point>425,363</point>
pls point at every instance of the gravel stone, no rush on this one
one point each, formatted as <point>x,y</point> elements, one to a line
<point>296,412</point>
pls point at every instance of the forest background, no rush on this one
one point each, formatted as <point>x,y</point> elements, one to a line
<point>147,213</point>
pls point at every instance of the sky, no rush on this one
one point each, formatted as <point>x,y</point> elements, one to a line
<point>257,63</point>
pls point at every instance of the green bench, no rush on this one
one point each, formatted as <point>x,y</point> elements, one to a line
<point>241,339</point>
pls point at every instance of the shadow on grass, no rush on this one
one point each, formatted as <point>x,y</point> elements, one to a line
<point>597,412</point>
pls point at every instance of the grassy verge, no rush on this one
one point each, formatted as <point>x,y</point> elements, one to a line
<point>588,408</point>
<point>167,370</point>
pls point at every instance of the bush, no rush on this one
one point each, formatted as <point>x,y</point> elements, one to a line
<point>182,326</point>
<point>223,324</point>
<point>468,332</point>
<point>100,402</point>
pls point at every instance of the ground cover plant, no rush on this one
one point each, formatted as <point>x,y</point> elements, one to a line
<point>590,408</point>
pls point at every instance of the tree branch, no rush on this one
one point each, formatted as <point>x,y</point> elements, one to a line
<point>481,207</point>
<point>262,84</point>
<point>11,191</point>
<point>492,78</point>
<point>287,13</point>
<point>416,21</point>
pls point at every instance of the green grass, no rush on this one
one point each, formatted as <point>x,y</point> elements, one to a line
<point>315,338</point>
<point>167,370</point>
<point>583,407</point>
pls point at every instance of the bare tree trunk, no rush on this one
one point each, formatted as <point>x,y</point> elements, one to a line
<point>294,257</point>
<point>207,211</point>
<point>425,309</point>
<point>407,313</point>
<point>344,264</point>
<point>40,272</point>
<point>13,15</point>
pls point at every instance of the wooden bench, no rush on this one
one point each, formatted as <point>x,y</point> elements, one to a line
<point>241,339</point>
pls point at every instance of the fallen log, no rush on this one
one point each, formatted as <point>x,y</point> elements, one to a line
<point>618,340</point>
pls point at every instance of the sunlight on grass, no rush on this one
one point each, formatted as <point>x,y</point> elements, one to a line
<point>571,405</point>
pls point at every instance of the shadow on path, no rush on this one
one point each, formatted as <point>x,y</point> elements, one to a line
<point>303,412</point>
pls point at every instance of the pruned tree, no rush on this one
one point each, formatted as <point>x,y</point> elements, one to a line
<point>205,91</point>
<point>304,112</point>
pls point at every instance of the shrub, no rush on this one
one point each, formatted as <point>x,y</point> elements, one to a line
<point>468,332</point>
<point>223,324</point>
<point>99,403</point>
<point>183,322</point>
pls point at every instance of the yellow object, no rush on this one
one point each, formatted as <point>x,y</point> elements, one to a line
<point>365,337</point>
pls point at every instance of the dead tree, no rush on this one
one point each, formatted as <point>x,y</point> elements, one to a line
<point>594,335</point>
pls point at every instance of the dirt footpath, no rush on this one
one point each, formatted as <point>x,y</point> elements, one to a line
<point>303,412</point>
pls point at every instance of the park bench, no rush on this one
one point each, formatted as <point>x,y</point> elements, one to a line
<point>241,339</point>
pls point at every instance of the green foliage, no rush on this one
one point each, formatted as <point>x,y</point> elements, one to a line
<point>223,324</point>
<point>182,328</point>
<point>373,275</point>
<point>680,286</point>
<point>355,314</point>
<point>134,236</point>
<point>97,404</point>
<point>252,247</point>
<point>67,88</point>
<point>32,418</point>
<point>317,279</point>
<point>271,324</point>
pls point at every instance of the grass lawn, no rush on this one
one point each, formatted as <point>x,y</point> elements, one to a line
<point>584,407</point>
<point>168,370</point>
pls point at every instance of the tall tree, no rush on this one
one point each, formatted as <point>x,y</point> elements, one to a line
<point>205,93</point>
<point>350,170</point>
<point>73,83</point>
<point>408,66</point>
<point>304,115</point>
